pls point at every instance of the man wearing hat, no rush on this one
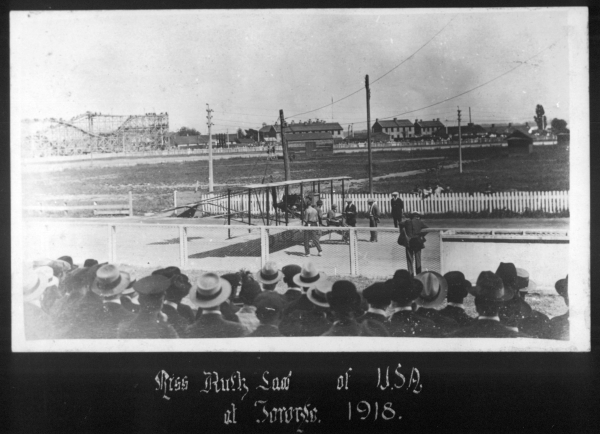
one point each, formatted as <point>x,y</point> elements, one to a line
<point>432,296</point>
<point>129,299</point>
<point>247,314</point>
<point>269,310</point>
<point>397,206</point>
<point>516,312</point>
<point>148,323</point>
<point>269,275</point>
<point>558,328</point>
<point>344,301</point>
<point>207,294</point>
<point>228,308</point>
<point>490,293</point>
<point>293,291</point>
<point>350,213</point>
<point>373,218</point>
<point>179,287</point>
<point>109,283</point>
<point>311,218</point>
<point>308,316</point>
<point>458,289</point>
<point>404,322</point>
<point>37,323</point>
<point>413,239</point>
<point>379,297</point>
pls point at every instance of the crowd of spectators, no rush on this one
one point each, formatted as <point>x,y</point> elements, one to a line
<point>100,301</point>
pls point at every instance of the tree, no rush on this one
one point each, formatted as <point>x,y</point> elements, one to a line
<point>185,131</point>
<point>559,126</point>
<point>540,119</point>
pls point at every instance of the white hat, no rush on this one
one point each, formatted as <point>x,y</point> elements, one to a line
<point>524,284</point>
<point>395,193</point>
<point>310,277</point>
<point>318,296</point>
<point>269,273</point>
<point>110,281</point>
<point>35,282</point>
<point>209,290</point>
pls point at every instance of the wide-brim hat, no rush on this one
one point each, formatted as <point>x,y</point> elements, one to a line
<point>269,274</point>
<point>152,285</point>
<point>35,282</point>
<point>562,286</point>
<point>508,273</point>
<point>395,193</point>
<point>523,282</point>
<point>435,289</point>
<point>343,296</point>
<point>414,213</point>
<point>209,290</point>
<point>310,277</point>
<point>489,286</point>
<point>456,280</point>
<point>318,295</point>
<point>110,281</point>
<point>378,293</point>
<point>404,289</point>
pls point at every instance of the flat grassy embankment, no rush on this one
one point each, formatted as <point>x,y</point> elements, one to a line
<point>546,169</point>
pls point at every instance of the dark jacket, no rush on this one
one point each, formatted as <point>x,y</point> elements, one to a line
<point>146,326</point>
<point>457,314</point>
<point>373,317</point>
<point>443,323</point>
<point>350,212</point>
<point>265,331</point>
<point>291,295</point>
<point>186,312</point>
<point>129,305</point>
<point>212,325</point>
<point>175,319</point>
<point>485,328</point>
<point>414,227</point>
<point>303,318</point>
<point>80,315</point>
<point>397,207</point>
<point>409,324</point>
<point>518,313</point>
<point>373,211</point>
<point>108,319</point>
<point>346,327</point>
<point>558,328</point>
<point>227,310</point>
<point>38,324</point>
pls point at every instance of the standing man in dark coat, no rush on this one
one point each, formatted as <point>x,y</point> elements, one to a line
<point>148,323</point>
<point>489,294</point>
<point>350,213</point>
<point>397,206</point>
<point>373,218</point>
<point>414,241</point>
<point>109,283</point>
<point>458,289</point>
<point>207,293</point>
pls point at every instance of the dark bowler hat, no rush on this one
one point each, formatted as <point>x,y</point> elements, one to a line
<point>209,290</point>
<point>378,293</point>
<point>403,287</point>
<point>490,287</point>
<point>250,290</point>
<point>269,302</point>
<point>90,263</point>
<point>68,260</point>
<point>434,289</point>
<point>508,273</point>
<point>289,271</point>
<point>110,281</point>
<point>152,285</point>
<point>167,272</point>
<point>458,286</point>
<point>179,287</point>
<point>562,286</point>
<point>343,296</point>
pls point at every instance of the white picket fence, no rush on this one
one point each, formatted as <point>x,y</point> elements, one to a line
<point>547,201</point>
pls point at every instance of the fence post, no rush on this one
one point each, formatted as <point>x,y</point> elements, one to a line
<point>112,243</point>
<point>353,253</point>
<point>183,251</point>
<point>264,246</point>
<point>174,198</point>
<point>130,204</point>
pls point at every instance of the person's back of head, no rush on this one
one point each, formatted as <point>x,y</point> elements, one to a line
<point>178,289</point>
<point>289,271</point>
<point>458,286</point>
<point>250,290</point>
<point>344,299</point>
<point>269,307</point>
<point>378,295</point>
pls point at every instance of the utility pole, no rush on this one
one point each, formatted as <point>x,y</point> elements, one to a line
<point>470,121</point>
<point>459,144</point>
<point>210,159</point>
<point>369,133</point>
<point>286,157</point>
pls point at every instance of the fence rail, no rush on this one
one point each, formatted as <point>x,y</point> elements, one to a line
<point>519,202</point>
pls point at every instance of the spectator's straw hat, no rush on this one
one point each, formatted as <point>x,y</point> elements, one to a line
<point>269,274</point>
<point>434,289</point>
<point>209,290</point>
<point>110,281</point>
<point>35,282</point>
<point>370,200</point>
<point>523,283</point>
<point>318,295</point>
<point>395,193</point>
<point>490,287</point>
<point>310,277</point>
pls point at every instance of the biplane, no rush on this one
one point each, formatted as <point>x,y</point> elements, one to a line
<point>275,203</point>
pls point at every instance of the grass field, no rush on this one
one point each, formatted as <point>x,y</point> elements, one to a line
<point>546,169</point>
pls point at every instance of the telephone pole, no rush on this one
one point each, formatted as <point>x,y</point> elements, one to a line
<point>470,121</point>
<point>459,144</point>
<point>369,133</point>
<point>286,157</point>
<point>210,159</point>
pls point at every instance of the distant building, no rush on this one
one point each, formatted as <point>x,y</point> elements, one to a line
<point>375,137</point>
<point>397,129</point>
<point>520,142</point>
<point>469,131</point>
<point>428,128</point>
<point>310,145</point>
<point>269,133</point>
<point>245,142</point>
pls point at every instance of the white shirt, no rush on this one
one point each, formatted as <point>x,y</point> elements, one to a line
<point>400,309</point>
<point>491,318</point>
<point>377,311</point>
<point>460,305</point>
<point>170,303</point>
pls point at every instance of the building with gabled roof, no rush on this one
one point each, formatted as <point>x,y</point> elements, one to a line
<point>427,128</point>
<point>397,129</point>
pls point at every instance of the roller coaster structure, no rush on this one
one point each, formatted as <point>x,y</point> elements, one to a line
<point>94,133</point>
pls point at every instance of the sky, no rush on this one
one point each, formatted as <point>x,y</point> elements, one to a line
<point>250,64</point>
